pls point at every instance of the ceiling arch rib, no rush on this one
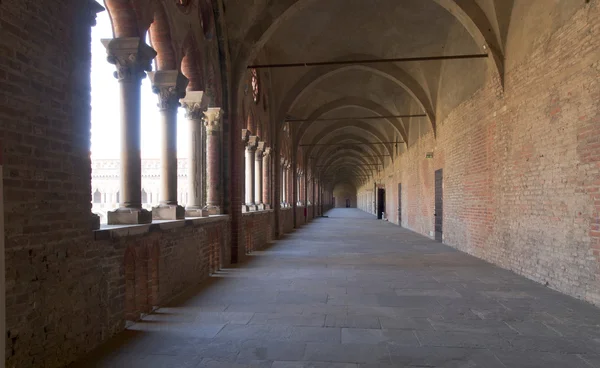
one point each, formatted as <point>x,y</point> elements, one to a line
<point>347,153</point>
<point>376,136</point>
<point>368,105</point>
<point>352,161</point>
<point>367,157</point>
<point>330,142</point>
<point>388,71</point>
<point>366,166</point>
<point>344,141</point>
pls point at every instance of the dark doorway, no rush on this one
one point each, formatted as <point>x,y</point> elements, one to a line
<point>380,203</point>
<point>347,203</point>
<point>439,204</point>
<point>399,204</point>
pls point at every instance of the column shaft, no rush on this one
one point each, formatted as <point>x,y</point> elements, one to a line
<point>195,164</point>
<point>168,162</point>
<point>258,182</point>
<point>267,179</point>
<point>250,171</point>
<point>213,160</point>
<point>131,159</point>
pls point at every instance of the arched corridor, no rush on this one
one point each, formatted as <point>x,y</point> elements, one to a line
<point>350,291</point>
<point>165,166</point>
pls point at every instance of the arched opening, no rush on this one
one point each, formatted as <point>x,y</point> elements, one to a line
<point>97,196</point>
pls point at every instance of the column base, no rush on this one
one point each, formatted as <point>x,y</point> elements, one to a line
<point>248,208</point>
<point>260,207</point>
<point>267,206</point>
<point>212,210</point>
<point>129,216</point>
<point>196,212</point>
<point>168,212</point>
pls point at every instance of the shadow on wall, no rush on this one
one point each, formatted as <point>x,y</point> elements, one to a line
<point>345,196</point>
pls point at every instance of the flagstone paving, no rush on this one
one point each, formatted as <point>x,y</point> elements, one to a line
<point>350,291</point>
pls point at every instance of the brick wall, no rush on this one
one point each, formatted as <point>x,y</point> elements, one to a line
<point>522,167</point>
<point>67,292</point>
<point>258,229</point>
<point>300,219</point>
<point>286,220</point>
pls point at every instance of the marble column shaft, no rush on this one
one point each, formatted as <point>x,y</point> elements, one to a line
<point>194,114</point>
<point>212,123</point>
<point>267,178</point>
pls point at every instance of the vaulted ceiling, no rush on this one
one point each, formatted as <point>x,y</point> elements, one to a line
<point>263,32</point>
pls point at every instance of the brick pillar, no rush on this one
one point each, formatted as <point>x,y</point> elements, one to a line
<point>132,57</point>
<point>212,122</point>
<point>258,176</point>
<point>170,86</point>
<point>267,178</point>
<point>193,107</point>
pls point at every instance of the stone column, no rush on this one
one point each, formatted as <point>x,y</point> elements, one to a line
<point>194,113</point>
<point>212,122</point>
<point>170,86</point>
<point>258,177</point>
<point>267,178</point>
<point>250,172</point>
<point>132,57</point>
<point>299,189</point>
<point>283,183</point>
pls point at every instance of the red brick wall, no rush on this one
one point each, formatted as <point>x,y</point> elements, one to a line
<point>521,168</point>
<point>300,219</point>
<point>286,221</point>
<point>66,292</point>
<point>258,230</point>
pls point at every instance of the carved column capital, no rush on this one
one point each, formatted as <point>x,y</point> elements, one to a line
<point>131,56</point>
<point>170,87</point>
<point>260,148</point>
<point>267,152</point>
<point>193,105</point>
<point>212,119</point>
<point>245,136</point>
<point>252,144</point>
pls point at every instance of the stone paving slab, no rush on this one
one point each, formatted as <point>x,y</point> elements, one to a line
<point>349,291</point>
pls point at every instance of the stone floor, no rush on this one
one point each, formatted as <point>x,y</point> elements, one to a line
<point>349,291</point>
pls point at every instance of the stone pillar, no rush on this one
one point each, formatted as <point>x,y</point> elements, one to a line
<point>298,188</point>
<point>283,183</point>
<point>212,122</point>
<point>289,199</point>
<point>258,177</point>
<point>170,86</point>
<point>132,57</point>
<point>251,147</point>
<point>194,114</point>
<point>267,178</point>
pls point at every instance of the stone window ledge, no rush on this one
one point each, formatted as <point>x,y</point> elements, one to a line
<point>261,212</point>
<point>119,231</point>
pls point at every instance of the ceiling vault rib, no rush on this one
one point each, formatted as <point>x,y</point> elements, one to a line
<point>359,118</point>
<point>348,144</point>
<point>370,61</point>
